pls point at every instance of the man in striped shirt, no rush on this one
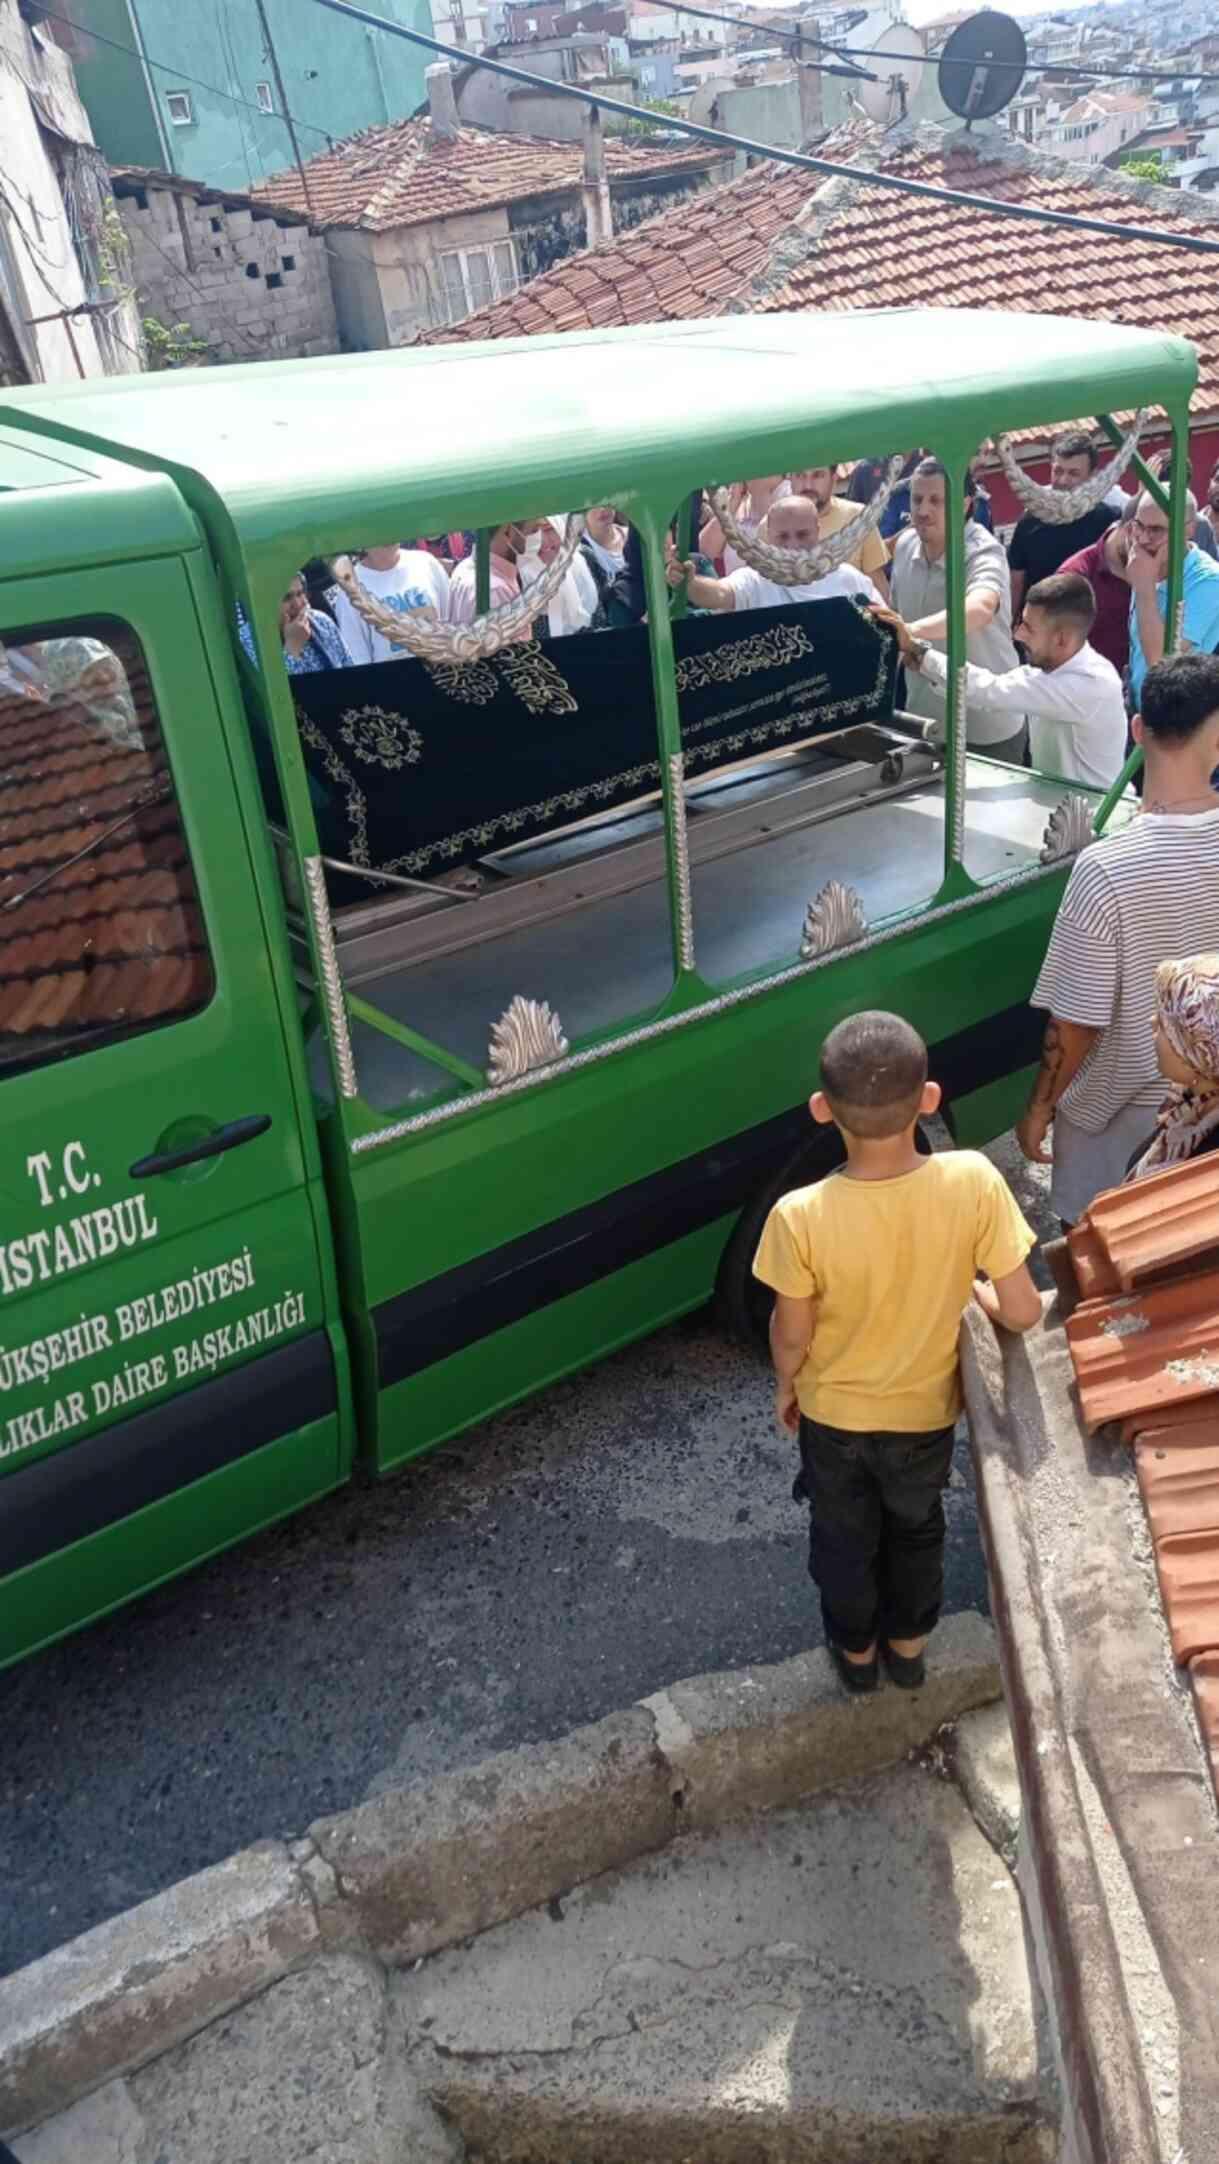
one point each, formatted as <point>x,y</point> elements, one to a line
<point>1132,901</point>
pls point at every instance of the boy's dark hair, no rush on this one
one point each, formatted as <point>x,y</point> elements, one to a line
<point>927,468</point>
<point>1179,695</point>
<point>873,1068</point>
<point>1066,596</point>
<point>1076,443</point>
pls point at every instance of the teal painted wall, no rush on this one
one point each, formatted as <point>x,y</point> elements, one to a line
<point>338,77</point>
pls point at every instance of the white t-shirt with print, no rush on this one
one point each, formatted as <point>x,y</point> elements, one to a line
<point>417,581</point>
<point>755,592</point>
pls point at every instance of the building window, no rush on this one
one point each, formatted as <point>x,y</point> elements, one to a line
<point>262,92</point>
<point>181,111</point>
<point>472,278</point>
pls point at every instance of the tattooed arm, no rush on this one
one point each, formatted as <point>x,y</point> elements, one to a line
<point>1064,1049</point>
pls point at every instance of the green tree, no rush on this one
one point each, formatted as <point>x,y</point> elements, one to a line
<point>172,345</point>
<point>1147,168</point>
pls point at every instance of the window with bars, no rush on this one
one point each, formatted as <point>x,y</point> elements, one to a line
<point>471,278</point>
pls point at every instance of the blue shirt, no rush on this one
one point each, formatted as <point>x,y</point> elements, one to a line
<point>1201,625</point>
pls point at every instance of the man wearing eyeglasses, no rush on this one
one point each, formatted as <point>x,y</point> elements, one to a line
<point>1147,571</point>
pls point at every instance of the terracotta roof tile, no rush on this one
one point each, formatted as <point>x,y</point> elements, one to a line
<point>405,174</point>
<point>1146,1350</point>
<point>1172,1217</point>
<point>1095,1275</point>
<point>117,937</point>
<point>1204,1676</point>
<point>1179,1481</point>
<point>1166,1422</point>
<point>865,248</point>
<point>647,271</point>
<point>1188,1568</point>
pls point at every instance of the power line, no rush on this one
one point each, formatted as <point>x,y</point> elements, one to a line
<point>164,67</point>
<point>801,160</point>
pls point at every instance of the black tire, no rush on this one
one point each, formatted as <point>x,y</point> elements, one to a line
<point>742,1303</point>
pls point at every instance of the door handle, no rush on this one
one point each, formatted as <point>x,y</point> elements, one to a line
<point>229,1137</point>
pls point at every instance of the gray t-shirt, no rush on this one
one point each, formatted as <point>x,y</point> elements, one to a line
<point>920,588</point>
<point>1146,896</point>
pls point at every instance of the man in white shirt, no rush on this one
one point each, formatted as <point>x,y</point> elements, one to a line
<point>791,523</point>
<point>1070,693</point>
<point>401,580</point>
<point>1133,900</point>
<point>918,589</point>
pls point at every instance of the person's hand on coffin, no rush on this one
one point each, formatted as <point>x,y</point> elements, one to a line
<point>910,648</point>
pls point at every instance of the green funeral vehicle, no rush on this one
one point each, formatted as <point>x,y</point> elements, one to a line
<point>379,1044</point>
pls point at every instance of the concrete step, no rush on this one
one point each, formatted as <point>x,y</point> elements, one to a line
<point>840,1983</point>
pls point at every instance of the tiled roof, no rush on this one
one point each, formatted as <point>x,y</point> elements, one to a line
<point>888,251</point>
<point>845,244</point>
<point>407,174</point>
<point>692,260</point>
<point>116,938</point>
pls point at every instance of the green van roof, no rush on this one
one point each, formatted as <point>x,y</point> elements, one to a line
<point>304,454</point>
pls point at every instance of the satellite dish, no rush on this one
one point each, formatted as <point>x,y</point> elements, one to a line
<point>982,66</point>
<point>898,74</point>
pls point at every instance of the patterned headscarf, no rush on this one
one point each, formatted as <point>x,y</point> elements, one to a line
<point>1187,1007</point>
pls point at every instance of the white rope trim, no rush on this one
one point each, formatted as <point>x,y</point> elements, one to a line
<point>421,632</point>
<point>795,567</point>
<point>1060,506</point>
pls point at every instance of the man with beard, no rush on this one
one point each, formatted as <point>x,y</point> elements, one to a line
<point>835,512</point>
<point>1070,693</point>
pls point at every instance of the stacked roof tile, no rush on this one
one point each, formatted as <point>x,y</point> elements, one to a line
<point>782,239</point>
<point>1146,1353</point>
<point>114,939</point>
<point>407,174</point>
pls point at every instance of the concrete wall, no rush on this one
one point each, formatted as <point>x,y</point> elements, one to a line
<point>768,112</point>
<point>356,284</point>
<point>43,270</point>
<point>207,265</point>
<point>490,101</point>
<point>338,77</point>
<point>408,269</point>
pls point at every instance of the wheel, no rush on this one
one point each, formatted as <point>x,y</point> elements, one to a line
<point>742,1303</point>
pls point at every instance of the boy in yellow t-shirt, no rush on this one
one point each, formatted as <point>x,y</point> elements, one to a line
<point>873,1269</point>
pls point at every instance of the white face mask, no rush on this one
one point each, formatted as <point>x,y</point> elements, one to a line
<point>533,544</point>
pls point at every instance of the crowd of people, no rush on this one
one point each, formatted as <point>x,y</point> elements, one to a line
<point>1061,624</point>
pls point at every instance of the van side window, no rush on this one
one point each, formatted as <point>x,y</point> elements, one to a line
<point>100,928</point>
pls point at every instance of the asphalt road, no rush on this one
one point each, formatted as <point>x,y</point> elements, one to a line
<point>629,1526</point>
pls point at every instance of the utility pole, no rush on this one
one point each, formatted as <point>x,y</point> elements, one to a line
<point>281,94</point>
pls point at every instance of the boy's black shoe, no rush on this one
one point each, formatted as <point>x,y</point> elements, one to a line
<point>856,1675</point>
<point>909,1672</point>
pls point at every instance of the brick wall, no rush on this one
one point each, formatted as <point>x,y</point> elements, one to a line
<point>255,289</point>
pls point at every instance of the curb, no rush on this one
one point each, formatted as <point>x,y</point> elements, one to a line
<point>423,1868</point>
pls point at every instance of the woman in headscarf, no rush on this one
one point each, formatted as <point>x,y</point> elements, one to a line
<point>1186,1029</point>
<point>311,639</point>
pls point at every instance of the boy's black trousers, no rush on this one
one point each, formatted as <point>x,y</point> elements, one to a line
<point>876,1534</point>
